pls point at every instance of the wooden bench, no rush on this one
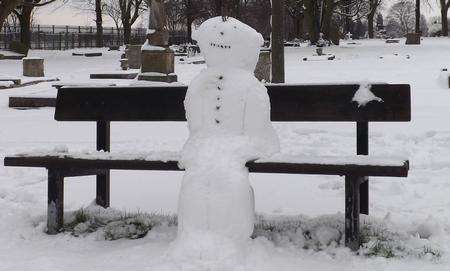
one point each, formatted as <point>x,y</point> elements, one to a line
<point>289,103</point>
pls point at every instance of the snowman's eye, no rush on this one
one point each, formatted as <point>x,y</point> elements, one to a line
<point>221,33</point>
<point>234,27</point>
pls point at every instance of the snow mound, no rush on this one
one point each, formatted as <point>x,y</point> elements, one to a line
<point>363,95</point>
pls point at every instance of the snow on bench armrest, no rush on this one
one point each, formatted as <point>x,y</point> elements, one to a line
<point>101,155</point>
<point>360,160</point>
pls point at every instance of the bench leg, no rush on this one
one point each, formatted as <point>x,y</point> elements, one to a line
<point>55,201</point>
<point>103,144</point>
<point>102,188</point>
<point>364,192</point>
<point>352,203</point>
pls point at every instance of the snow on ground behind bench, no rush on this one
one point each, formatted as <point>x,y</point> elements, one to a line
<point>420,198</point>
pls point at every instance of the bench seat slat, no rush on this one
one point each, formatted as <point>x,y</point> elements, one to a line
<point>397,169</point>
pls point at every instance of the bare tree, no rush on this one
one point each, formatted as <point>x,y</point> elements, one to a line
<point>278,73</point>
<point>373,9</point>
<point>445,5</point>
<point>401,18</point>
<point>130,11</point>
<point>296,11</point>
<point>96,7</point>
<point>176,14</point>
<point>122,12</point>
<point>24,14</point>
<point>98,23</point>
<point>111,9</point>
<point>417,29</point>
<point>7,7</point>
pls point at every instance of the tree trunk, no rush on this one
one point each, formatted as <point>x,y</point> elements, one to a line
<point>99,23</point>
<point>126,33</point>
<point>25,25</point>
<point>217,7</point>
<point>278,41</point>
<point>299,27</point>
<point>348,26</point>
<point>444,11</point>
<point>189,28</point>
<point>417,16</point>
<point>189,20</point>
<point>370,28</point>
<point>312,19</point>
<point>328,31</point>
<point>236,9</point>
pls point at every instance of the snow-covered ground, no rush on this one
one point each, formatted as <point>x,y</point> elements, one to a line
<point>415,206</point>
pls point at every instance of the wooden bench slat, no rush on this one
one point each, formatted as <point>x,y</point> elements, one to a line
<point>330,169</point>
<point>400,170</point>
<point>288,103</point>
<point>31,102</point>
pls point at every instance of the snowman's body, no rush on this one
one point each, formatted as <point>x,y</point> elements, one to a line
<point>228,113</point>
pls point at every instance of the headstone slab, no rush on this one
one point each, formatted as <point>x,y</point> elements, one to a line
<point>33,67</point>
<point>263,67</point>
<point>157,77</point>
<point>133,54</point>
<point>413,38</point>
<point>124,64</point>
<point>160,61</point>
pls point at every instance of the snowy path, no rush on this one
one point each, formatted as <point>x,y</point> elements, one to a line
<point>409,202</point>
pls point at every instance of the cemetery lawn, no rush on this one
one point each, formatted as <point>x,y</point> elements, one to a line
<point>411,215</point>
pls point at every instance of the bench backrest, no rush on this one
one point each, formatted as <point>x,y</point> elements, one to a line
<point>288,103</point>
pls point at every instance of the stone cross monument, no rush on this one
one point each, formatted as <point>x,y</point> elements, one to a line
<point>156,57</point>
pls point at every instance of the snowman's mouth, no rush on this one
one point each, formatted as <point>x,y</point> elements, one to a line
<point>212,44</point>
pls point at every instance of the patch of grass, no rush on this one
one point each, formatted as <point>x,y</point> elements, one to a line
<point>429,251</point>
<point>379,241</point>
<point>324,233</point>
<point>130,228</point>
<point>114,224</point>
<point>79,216</point>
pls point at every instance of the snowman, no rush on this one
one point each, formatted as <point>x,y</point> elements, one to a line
<point>228,114</point>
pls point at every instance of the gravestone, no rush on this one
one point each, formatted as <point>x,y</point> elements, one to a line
<point>413,38</point>
<point>33,67</point>
<point>124,64</point>
<point>263,67</point>
<point>133,54</point>
<point>156,57</point>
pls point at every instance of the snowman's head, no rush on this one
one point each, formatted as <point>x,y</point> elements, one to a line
<point>229,43</point>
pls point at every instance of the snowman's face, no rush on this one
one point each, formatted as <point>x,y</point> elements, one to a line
<point>228,44</point>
